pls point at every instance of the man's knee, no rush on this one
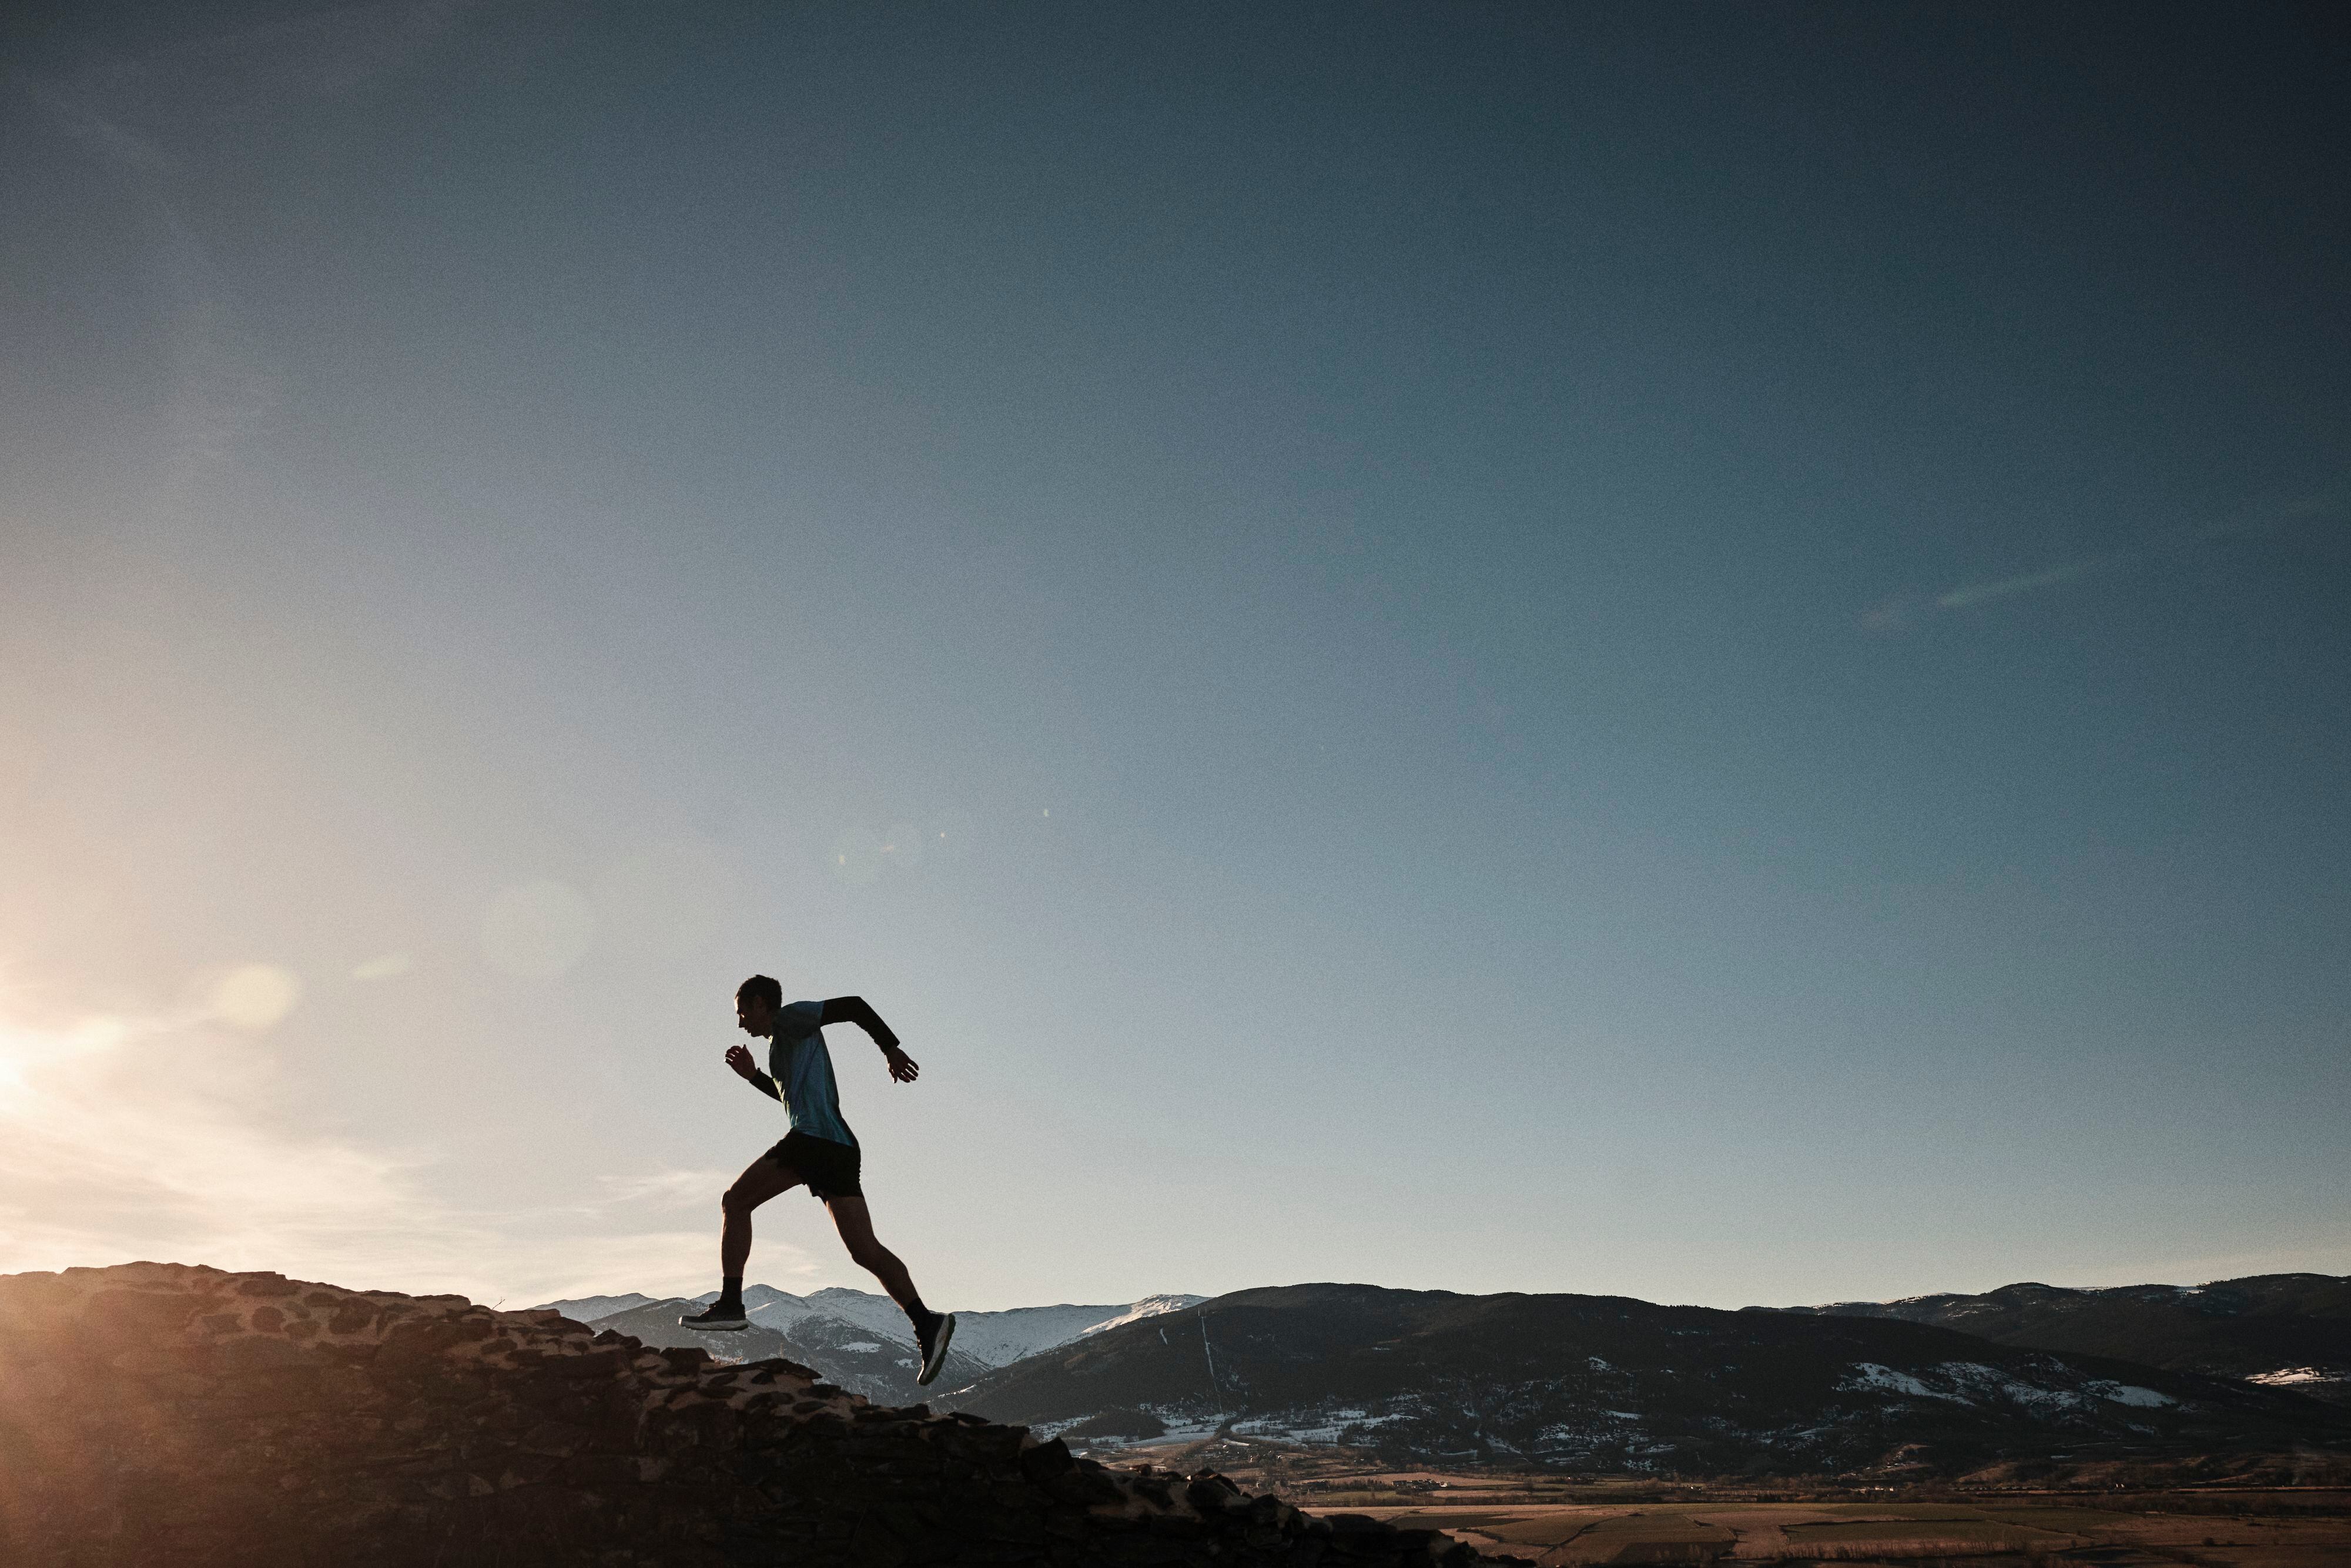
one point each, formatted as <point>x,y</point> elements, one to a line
<point>735,1200</point>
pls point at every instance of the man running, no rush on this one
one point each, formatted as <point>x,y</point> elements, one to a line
<point>819,1151</point>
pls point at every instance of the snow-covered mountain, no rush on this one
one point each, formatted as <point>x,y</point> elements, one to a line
<point>992,1339</point>
<point>587,1309</point>
<point>847,1354</point>
<point>859,1340</point>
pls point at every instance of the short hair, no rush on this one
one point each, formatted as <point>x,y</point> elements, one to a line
<point>758,988</point>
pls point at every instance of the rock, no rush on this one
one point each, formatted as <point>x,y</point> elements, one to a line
<point>162,1413</point>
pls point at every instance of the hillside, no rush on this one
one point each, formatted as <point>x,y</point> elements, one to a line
<point>862,1340</point>
<point>2285,1330</point>
<point>157,1413</point>
<point>1602,1383</point>
<point>869,1365</point>
<point>587,1309</point>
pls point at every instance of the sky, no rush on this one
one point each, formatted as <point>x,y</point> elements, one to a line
<point>1697,652</point>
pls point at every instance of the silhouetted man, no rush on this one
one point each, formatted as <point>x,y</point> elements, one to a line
<point>819,1151</point>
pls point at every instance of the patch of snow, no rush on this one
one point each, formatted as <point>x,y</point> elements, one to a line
<point>587,1309</point>
<point>1870,1376</point>
<point>761,1295</point>
<point>877,1315</point>
<point>2033,1396</point>
<point>2299,1376</point>
<point>1149,1307</point>
<point>2130,1394</point>
<point>998,1339</point>
<point>1311,1425</point>
<point>866,1346</point>
<point>1991,1381</point>
<point>1191,1431</point>
<point>992,1339</point>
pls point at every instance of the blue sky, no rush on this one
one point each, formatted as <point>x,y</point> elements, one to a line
<point>1697,654</point>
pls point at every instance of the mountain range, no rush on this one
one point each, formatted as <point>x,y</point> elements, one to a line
<point>856,1340</point>
<point>1600,1383</point>
<point>2283,1331</point>
<point>1935,1383</point>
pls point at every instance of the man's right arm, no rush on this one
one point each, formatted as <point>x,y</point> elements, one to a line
<point>740,1059</point>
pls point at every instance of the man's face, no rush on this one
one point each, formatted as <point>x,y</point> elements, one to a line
<point>753,1014</point>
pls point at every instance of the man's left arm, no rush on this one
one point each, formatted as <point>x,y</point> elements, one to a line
<point>859,1011</point>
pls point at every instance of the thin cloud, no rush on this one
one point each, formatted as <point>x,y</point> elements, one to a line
<point>222,393</point>
<point>239,74</point>
<point>322,55</point>
<point>148,120</point>
<point>77,116</point>
<point>1902,610</point>
<point>2032,583</point>
<point>666,1185</point>
<point>221,390</point>
<point>2326,505</point>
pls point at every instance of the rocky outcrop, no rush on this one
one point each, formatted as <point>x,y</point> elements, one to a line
<point>156,1413</point>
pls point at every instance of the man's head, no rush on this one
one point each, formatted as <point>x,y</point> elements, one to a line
<point>757,1002</point>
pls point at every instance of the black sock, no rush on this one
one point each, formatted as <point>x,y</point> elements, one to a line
<point>730,1294</point>
<point>921,1316</point>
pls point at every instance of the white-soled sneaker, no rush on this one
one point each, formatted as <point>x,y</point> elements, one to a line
<point>720,1316</point>
<point>934,1346</point>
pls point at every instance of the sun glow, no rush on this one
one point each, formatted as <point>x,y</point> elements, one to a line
<point>156,1137</point>
<point>23,1052</point>
<point>170,1138</point>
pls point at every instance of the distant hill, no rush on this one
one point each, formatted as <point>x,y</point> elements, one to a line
<point>849,1355</point>
<point>587,1309</point>
<point>2283,1331</point>
<point>1606,1383</point>
<point>860,1340</point>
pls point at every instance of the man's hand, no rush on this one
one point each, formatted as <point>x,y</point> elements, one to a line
<point>902,1066</point>
<point>738,1057</point>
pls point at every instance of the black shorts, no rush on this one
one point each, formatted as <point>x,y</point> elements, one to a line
<point>829,1168</point>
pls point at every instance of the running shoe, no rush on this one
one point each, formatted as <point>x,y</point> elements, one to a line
<point>934,1346</point>
<point>722,1315</point>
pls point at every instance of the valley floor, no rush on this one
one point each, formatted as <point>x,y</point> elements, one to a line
<point>2143,1534</point>
<point>1560,1521</point>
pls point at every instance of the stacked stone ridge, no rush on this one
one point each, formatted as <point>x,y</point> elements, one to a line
<point>162,1413</point>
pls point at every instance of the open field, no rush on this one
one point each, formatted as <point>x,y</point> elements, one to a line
<point>1559,1521</point>
<point>2213,1532</point>
<point>2122,1534</point>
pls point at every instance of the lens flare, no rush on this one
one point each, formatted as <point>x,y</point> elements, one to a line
<point>255,997</point>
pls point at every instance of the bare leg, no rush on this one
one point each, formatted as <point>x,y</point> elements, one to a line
<point>762,1179</point>
<point>855,1223</point>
